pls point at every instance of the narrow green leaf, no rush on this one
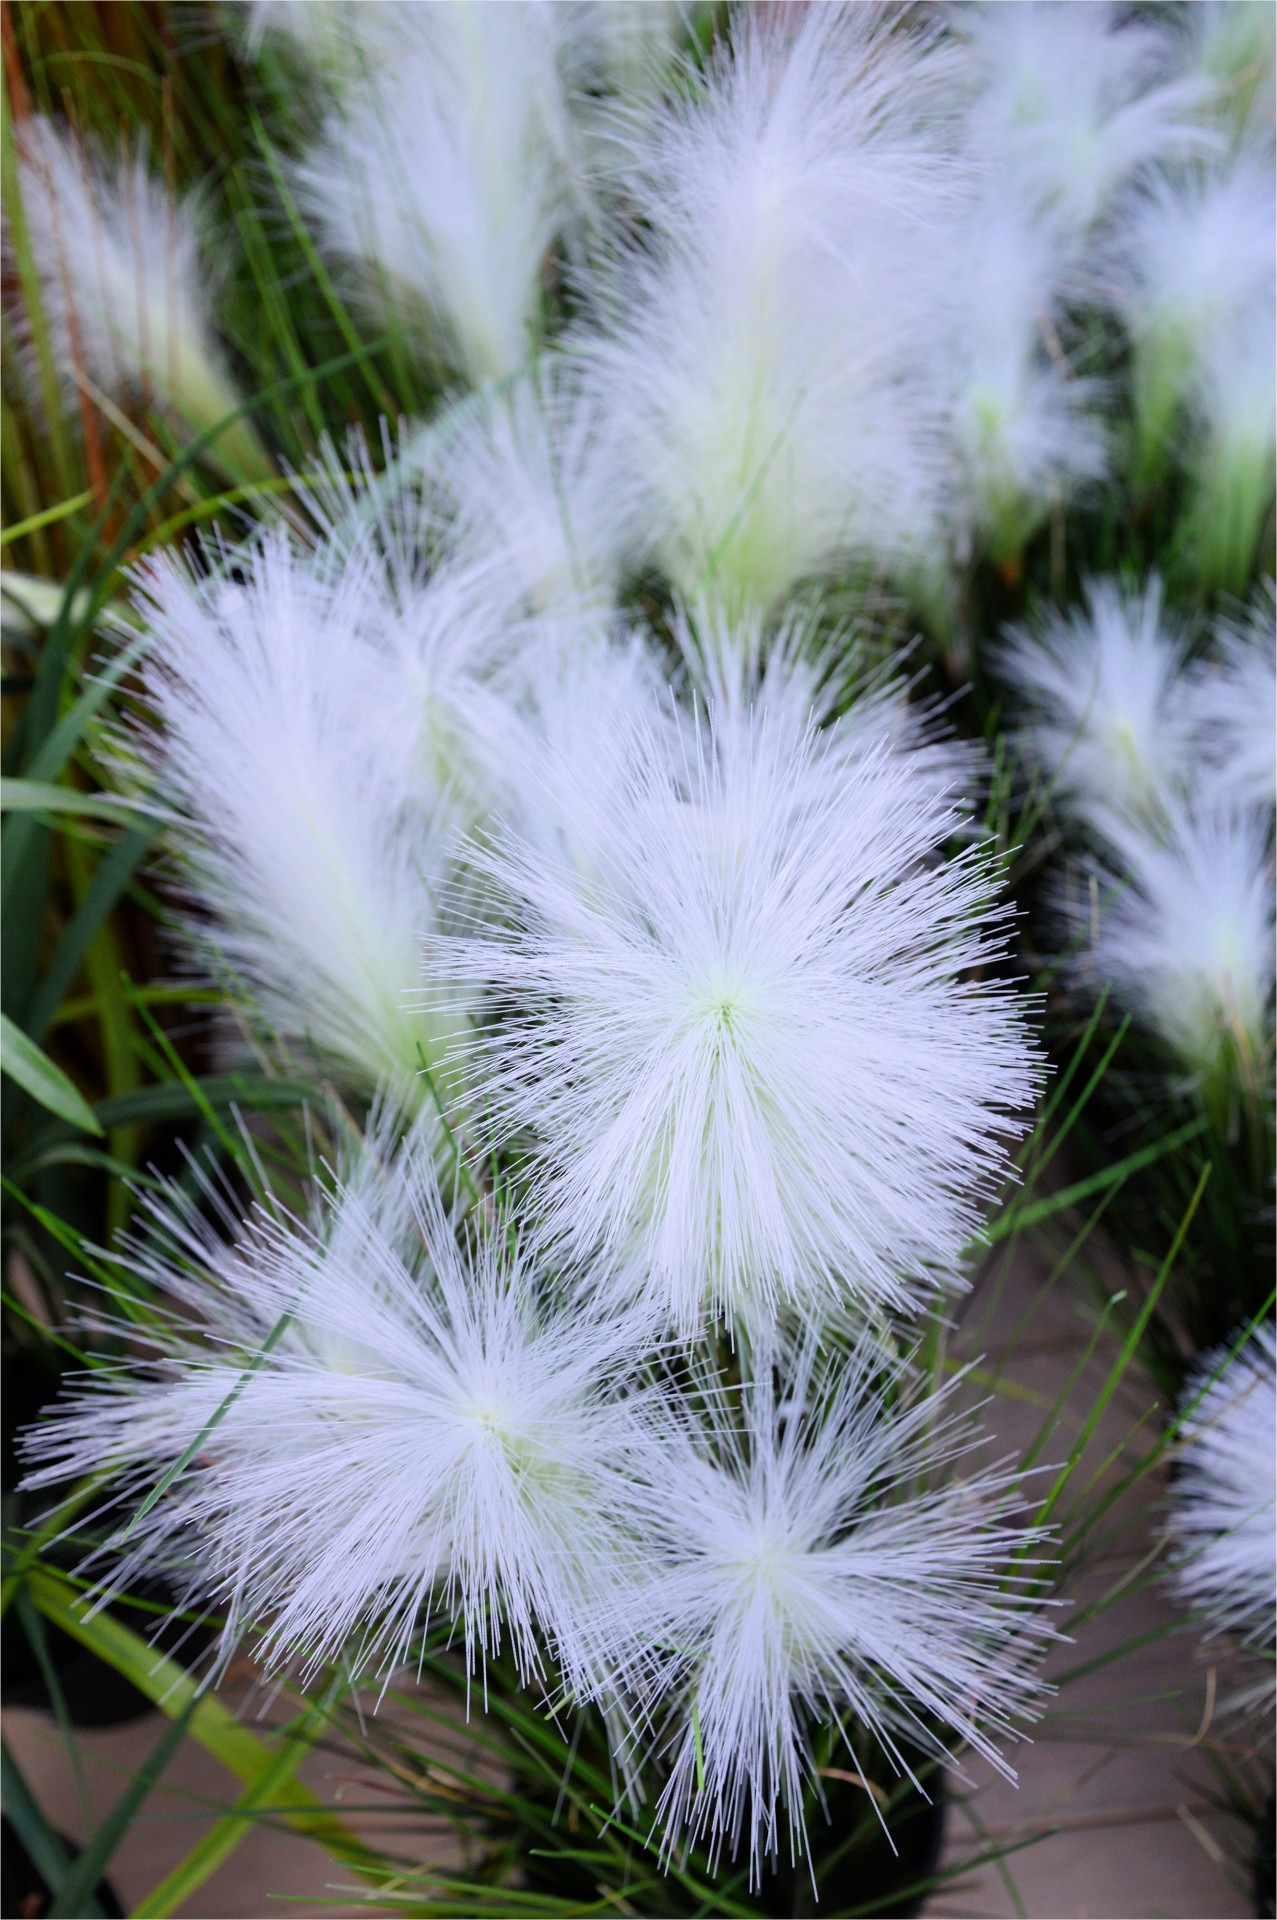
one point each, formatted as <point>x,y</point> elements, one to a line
<point>184,1459</point>
<point>72,1893</point>
<point>1015,1219</point>
<point>33,1070</point>
<point>48,1855</point>
<point>47,517</point>
<point>214,1726</point>
<point>42,796</point>
<point>176,1888</point>
<point>114,872</point>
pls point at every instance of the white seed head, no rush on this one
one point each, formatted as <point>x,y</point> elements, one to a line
<point>1186,936</point>
<point>124,281</point>
<point>1234,703</point>
<point>1192,257</point>
<point>446,178</point>
<point>317,744</point>
<point>1232,44</point>
<point>1070,102</point>
<point>1108,723</point>
<point>817,1562</point>
<point>761,351</point>
<point>394,1424</point>
<point>1224,1492</point>
<point>746,1044</point>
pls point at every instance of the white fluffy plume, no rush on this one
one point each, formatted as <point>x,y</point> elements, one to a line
<point>1185,936</point>
<point>318,742</point>
<point>1192,258</point>
<point>125,287</point>
<point>1110,727</point>
<point>1225,1492</point>
<point>816,1563</point>
<point>391,1425</point>
<point>1235,700</point>
<point>1071,102</point>
<point>531,486</point>
<point>446,177</point>
<point>766,359</point>
<point>1025,424</point>
<point>746,1043</point>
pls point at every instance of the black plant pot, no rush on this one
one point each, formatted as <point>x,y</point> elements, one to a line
<point>24,1891</point>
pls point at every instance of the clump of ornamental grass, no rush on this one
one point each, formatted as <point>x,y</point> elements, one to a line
<point>706,1043</point>
<point>382,1415</point>
<point>126,306</point>
<point>645,922</point>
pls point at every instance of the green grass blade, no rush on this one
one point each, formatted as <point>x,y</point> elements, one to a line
<point>176,1888</point>
<point>90,1865</point>
<point>36,1074</point>
<point>214,1726</point>
<point>48,1855</point>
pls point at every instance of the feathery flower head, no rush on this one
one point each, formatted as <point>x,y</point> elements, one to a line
<point>748,1049</point>
<point>1193,257</point>
<point>1024,427</point>
<point>124,287</point>
<point>446,179</point>
<point>762,358</point>
<point>406,1428</point>
<point>1186,937</point>
<point>305,798</point>
<point>811,1567</point>
<point>1224,1493</point>
<point>1111,728</point>
<point>822,680</point>
<point>1234,699</point>
<point>1070,101</point>
<point>532,487</point>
